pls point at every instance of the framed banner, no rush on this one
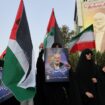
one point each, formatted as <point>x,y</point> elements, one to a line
<point>56,65</point>
<point>94,13</point>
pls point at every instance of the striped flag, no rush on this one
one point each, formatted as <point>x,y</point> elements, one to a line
<point>54,34</point>
<point>85,39</point>
<point>19,66</point>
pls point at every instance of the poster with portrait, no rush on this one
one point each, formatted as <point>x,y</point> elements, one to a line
<point>94,13</point>
<point>5,93</point>
<point>56,65</point>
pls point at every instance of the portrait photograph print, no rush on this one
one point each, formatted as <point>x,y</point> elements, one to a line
<point>56,65</point>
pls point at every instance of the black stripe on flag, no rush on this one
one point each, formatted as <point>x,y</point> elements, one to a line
<point>24,40</point>
<point>58,35</point>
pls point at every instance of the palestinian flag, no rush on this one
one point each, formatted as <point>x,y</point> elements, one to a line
<point>19,66</point>
<point>53,32</point>
<point>83,40</point>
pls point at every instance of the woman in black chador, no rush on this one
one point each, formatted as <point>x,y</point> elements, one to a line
<point>86,78</point>
<point>49,93</point>
<point>60,93</point>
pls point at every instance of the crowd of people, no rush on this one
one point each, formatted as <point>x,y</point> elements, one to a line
<point>86,86</point>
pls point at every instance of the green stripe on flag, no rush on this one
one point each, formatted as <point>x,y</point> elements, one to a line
<point>12,78</point>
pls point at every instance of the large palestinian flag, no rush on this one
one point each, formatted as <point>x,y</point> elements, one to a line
<point>19,66</point>
<point>83,40</point>
<point>53,32</point>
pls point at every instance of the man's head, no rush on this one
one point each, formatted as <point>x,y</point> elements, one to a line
<point>57,58</point>
<point>99,20</point>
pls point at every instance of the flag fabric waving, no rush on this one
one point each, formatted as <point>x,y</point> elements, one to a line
<point>19,66</point>
<point>3,54</point>
<point>53,32</point>
<point>85,39</point>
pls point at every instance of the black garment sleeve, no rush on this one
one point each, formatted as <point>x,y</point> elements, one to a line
<point>1,63</point>
<point>39,98</point>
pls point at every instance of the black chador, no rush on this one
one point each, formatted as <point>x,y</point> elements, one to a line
<point>86,78</point>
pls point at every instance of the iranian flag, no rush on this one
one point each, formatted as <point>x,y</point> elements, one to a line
<point>19,66</point>
<point>83,40</point>
<point>53,32</point>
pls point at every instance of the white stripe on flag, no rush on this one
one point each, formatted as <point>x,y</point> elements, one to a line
<point>50,41</point>
<point>18,52</point>
<point>86,36</point>
<point>30,80</point>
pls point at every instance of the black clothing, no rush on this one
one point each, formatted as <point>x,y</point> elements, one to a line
<point>60,93</point>
<point>10,101</point>
<point>1,63</point>
<point>85,71</point>
<point>101,86</point>
<point>74,97</point>
<point>39,98</point>
<point>49,93</point>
